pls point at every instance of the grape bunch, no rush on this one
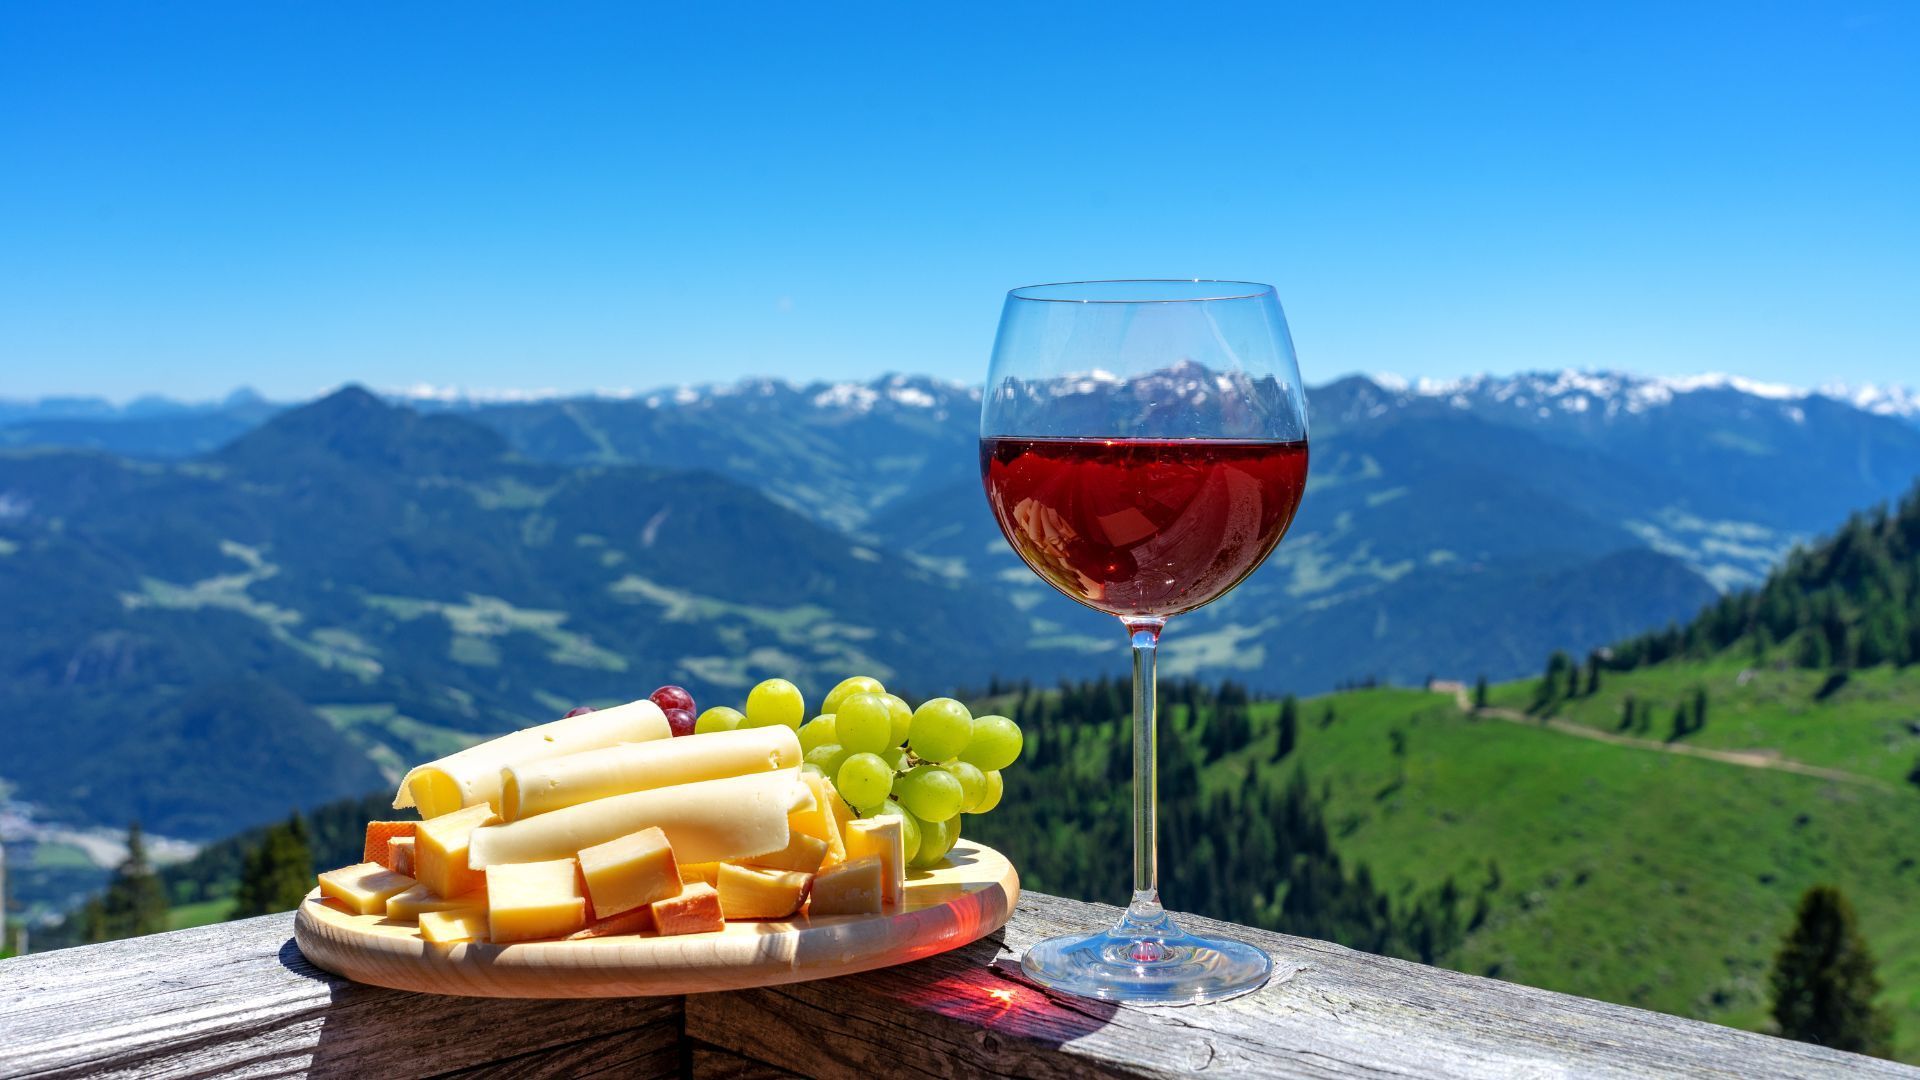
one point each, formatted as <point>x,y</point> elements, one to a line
<point>926,766</point>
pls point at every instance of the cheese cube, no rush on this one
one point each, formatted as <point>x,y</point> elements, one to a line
<point>411,904</point>
<point>364,887</point>
<point>400,855</point>
<point>708,872</point>
<point>881,837</point>
<point>637,921</point>
<point>457,924</point>
<point>819,820</point>
<point>695,911</point>
<point>440,851</point>
<point>529,901</point>
<point>378,834</point>
<point>802,855</point>
<point>852,888</point>
<point>746,893</point>
<point>630,872</point>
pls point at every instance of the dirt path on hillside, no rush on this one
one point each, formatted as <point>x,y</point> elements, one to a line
<point>1752,759</point>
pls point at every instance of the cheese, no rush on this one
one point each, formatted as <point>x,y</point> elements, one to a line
<point>379,834</point>
<point>410,905</point>
<point>708,872</point>
<point>529,901</point>
<point>400,855</point>
<point>536,787</point>
<point>803,854</point>
<point>710,821</point>
<point>629,872</point>
<point>852,888</point>
<point>842,812</point>
<point>637,921</point>
<point>458,924</point>
<point>818,820</point>
<point>364,887</point>
<point>472,776</point>
<point>695,911</point>
<point>440,856</point>
<point>881,838</point>
<point>746,893</point>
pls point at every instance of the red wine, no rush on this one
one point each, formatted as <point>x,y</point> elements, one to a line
<point>1147,527</point>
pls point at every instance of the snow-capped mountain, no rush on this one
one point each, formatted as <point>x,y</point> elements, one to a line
<point>1608,395</point>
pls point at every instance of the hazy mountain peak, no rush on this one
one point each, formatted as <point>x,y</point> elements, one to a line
<point>1608,393</point>
<point>356,426</point>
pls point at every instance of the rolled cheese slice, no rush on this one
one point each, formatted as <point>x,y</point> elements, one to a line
<point>472,776</point>
<point>710,821</point>
<point>536,787</point>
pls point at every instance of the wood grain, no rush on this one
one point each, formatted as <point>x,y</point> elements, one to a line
<point>957,903</point>
<point>1330,1012</point>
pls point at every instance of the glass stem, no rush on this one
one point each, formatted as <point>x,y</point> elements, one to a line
<point>1145,908</point>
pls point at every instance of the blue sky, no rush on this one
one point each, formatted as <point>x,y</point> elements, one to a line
<point>199,196</point>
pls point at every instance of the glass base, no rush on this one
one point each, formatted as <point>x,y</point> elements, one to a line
<point>1146,959</point>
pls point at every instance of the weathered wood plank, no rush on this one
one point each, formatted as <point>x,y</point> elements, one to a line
<point>711,1063</point>
<point>238,999</point>
<point>1331,1012</point>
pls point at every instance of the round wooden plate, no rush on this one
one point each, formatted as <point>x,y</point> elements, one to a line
<point>964,900</point>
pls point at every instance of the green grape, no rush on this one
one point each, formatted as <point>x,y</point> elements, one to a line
<point>941,728</point>
<point>995,788</point>
<point>895,757</point>
<point>718,718</point>
<point>775,701</point>
<point>995,744</point>
<point>828,757</point>
<point>909,826</point>
<point>902,718</point>
<point>936,839</point>
<point>810,767</point>
<point>864,780</point>
<point>864,723</point>
<point>930,792</point>
<point>846,688</point>
<point>973,784</point>
<point>817,732</point>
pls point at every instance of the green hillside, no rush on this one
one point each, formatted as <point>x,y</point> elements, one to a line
<point>1628,873</point>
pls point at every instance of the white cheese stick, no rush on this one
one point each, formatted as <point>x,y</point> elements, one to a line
<point>713,820</point>
<point>472,776</point>
<point>536,787</point>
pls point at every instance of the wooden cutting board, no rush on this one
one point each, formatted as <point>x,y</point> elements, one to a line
<point>963,900</point>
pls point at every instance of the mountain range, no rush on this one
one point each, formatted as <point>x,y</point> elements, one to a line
<point>222,610</point>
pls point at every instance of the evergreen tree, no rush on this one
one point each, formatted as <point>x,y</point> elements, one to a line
<point>134,902</point>
<point>1699,709</point>
<point>1593,674</point>
<point>1626,713</point>
<point>1680,727</point>
<point>1823,979</point>
<point>1289,728</point>
<point>277,873</point>
<point>1914,776</point>
<point>1480,692</point>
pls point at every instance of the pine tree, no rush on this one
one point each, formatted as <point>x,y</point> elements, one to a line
<point>1699,709</point>
<point>1480,692</point>
<point>1626,713</point>
<point>134,902</point>
<point>1823,979</point>
<point>1289,728</point>
<point>277,873</point>
<point>1593,674</point>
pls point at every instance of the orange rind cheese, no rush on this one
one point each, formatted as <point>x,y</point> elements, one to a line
<point>378,834</point>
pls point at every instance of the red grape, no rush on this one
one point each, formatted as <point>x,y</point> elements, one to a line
<point>580,710</point>
<point>672,697</point>
<point>680,720</point>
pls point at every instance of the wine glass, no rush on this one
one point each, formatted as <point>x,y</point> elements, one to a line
<point>1144,447</point>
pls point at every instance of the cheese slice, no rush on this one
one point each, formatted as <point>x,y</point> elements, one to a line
<point>691,872</point>
<point>746,893</point>
<point>881,838</point>
<point>529,901</point>
<point>536,787</point>
<point>440,856</point>
<point>852,888</point>
<point>629,872</point>
<point>802,855</point>
<point>695,911</point>
<point>457,924</point>
<point>819,820</point>
<point>379,835</point>
<point>472,776</point>
<point>364,887</point>
<point>711,821</point>
<point>400,855</point>
<point>625,924</point>
<point>410,905</point>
